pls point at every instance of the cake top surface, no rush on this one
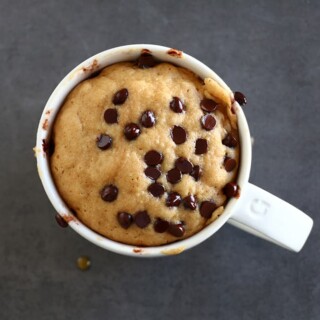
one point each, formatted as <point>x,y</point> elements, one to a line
<point>143,155</point>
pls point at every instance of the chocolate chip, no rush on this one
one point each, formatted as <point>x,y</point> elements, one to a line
<point>152,158</point>
<point>152,173</point>
<point>174,175</point>
<point>74,212</point>
<point>208,122</point>
<point>183,165</point>
<point>94,74</point>
<point>148,119</point>
<point>125,219</point>
<point>111,116</point>
<point>240,98</point>
<point>176,105</point>
<point>48,146</point>
<point>104,142</point>
<point>120,96</point>
<point>190,202</point>
<point>230,141</point>
<point>231,189</point>
<point>132,131</point>
<point>160,225</point>
<point>156,189</point>
<point>176,230</point>
<point>207,208</point>
<point>173,199</point>
<point>196,173</point>
<point>208,105</point>
<point>178,135</point>
<point>201,146</point>
<point>229,164</point>
<point>145,61</point>
<point>142,219</point>
<point>109,193</point>
<point>61,222</point>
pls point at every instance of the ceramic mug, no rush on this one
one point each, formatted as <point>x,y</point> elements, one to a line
<point>255,211</point>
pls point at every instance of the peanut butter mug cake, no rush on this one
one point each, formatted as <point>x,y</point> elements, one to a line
<point>146,153</point>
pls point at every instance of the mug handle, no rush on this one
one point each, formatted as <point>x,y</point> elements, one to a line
<point>266,216</point>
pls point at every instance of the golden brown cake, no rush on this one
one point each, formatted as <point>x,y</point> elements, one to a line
<point>143,154</point>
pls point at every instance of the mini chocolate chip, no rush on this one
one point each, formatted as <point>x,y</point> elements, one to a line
<point>229,164</point>
<point>208,122</point>
<point>196,173</point>
<point>207,208</point>
<point>48,147</point>
<point>208,105</point>
<point>190,202</point>
<point>104,142</point>
<point>94,74</point>
<point>231,189</point>
<point>240,98</point>
<point>111,116</point>
<point>174,175</point>
<point>125,219</point>
<point>145,61</point>
<point>109,193</point>
<point>74,212</point>
<point>148,119</point>
<point>51,147</point>
<point>173,199</point>
<point>156,189</point>
<point>183,165</point>
<point>142,219</point>
<point>201,146</point>
<point>152,173</point>
<point>120,96</point>
<point>132,131</point>
<point>152,158</point>
<point>61,222</point>
<point>230,141</point>
<point>176,230</point>
<point>178,135</point>
<point>176,105</point>
<point>160,225</point>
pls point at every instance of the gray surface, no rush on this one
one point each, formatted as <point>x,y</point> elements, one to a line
<point>267,49</point>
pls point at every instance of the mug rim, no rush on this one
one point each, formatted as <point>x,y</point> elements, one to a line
<point>83,71</point>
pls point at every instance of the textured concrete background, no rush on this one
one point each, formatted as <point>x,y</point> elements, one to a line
<point>267,49</point>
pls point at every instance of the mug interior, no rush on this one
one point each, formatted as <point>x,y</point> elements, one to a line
<point>83,71</point>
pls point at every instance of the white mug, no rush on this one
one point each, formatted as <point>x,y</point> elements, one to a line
<point>255,211</point>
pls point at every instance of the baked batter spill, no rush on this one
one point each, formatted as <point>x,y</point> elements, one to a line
<point>156,152</point>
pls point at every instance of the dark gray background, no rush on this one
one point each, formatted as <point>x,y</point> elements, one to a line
<point>267,49</point>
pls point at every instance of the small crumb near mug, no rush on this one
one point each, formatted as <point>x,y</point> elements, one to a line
<point>83,263</point>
